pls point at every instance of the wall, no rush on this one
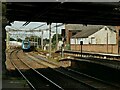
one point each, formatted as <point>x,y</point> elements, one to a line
<point>101,48</point>
<point>118,37</point>
<point>69,28</point>
<point>102,35</point>
<point>85,40</point>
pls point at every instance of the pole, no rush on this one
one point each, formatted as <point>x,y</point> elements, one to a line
<point>37,41</point>
<point>107,42</point>
<point>34,40</point>
<point>56,38</point>
<point>42,40</point>
<point>17,36</point>
<point>75,43</point>
<point>7,41</point>
<point>62,48</point>
<point>81,43</point>
<point>49,40</point>
<point>81,50</point>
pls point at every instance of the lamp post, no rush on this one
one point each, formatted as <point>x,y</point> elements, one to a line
<point>81,43</point>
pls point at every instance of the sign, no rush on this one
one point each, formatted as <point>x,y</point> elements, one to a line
<point>81,42</point>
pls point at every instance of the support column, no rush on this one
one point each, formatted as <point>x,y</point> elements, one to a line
<point>7,41</point>
<point>2,38</point>
<point>1,46</point>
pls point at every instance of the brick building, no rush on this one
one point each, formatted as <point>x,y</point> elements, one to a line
<point>96,38</point>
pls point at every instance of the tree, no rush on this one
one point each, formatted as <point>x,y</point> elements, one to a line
<point>12,39</point>
<point>34,38</point>
<point>45,41</point>
<point>19,40</point>
<point>54,40</point>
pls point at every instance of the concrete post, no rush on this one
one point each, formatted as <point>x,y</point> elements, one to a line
<point>34,40</point>
<point>42,39</point>
<point>49,40</point>
<point>75,43</point>
<point>37,42</point>
<point>56,38</point>
<point>7,40</point>
<point>107,41</point>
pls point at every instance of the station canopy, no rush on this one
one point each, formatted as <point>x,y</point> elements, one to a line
<point>97,13</point>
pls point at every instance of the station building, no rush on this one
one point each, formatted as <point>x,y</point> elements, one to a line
<point>96,38</point>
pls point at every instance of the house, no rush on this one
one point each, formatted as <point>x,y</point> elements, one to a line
<point>95,35</point>
<point>96,38</point>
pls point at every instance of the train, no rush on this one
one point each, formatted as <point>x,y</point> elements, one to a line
<point>28,45</point>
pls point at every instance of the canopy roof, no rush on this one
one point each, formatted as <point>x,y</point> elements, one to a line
<point>99,13</point>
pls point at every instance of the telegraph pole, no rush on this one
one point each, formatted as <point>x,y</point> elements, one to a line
<point>34,39</point>
<point>42,39</point>
<point>56,38</point>
<point>37,42</point>
<point>49,40</point>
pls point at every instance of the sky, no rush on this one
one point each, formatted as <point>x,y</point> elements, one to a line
<point>17,25</point>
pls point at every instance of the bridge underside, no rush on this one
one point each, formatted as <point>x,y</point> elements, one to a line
<point>68,12</point>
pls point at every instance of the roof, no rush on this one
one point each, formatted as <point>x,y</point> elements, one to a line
<point>75,27</point>
<point>89,30</point>
<point>112,28</point>
<point>98,13</point>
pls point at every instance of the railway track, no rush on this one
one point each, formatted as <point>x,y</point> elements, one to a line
<point>61,79</point>
<point>35,79</point>
<point>80,77</point>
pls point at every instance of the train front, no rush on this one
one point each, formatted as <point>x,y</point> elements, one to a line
<point>26,45</point>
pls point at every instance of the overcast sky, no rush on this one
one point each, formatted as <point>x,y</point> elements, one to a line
<point>18,26</point>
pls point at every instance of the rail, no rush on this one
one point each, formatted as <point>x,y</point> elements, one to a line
<point>33,87</point>
<point>20,71</point>
<point>83,75</point>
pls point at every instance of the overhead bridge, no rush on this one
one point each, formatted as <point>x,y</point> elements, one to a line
<point>100,13</point>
